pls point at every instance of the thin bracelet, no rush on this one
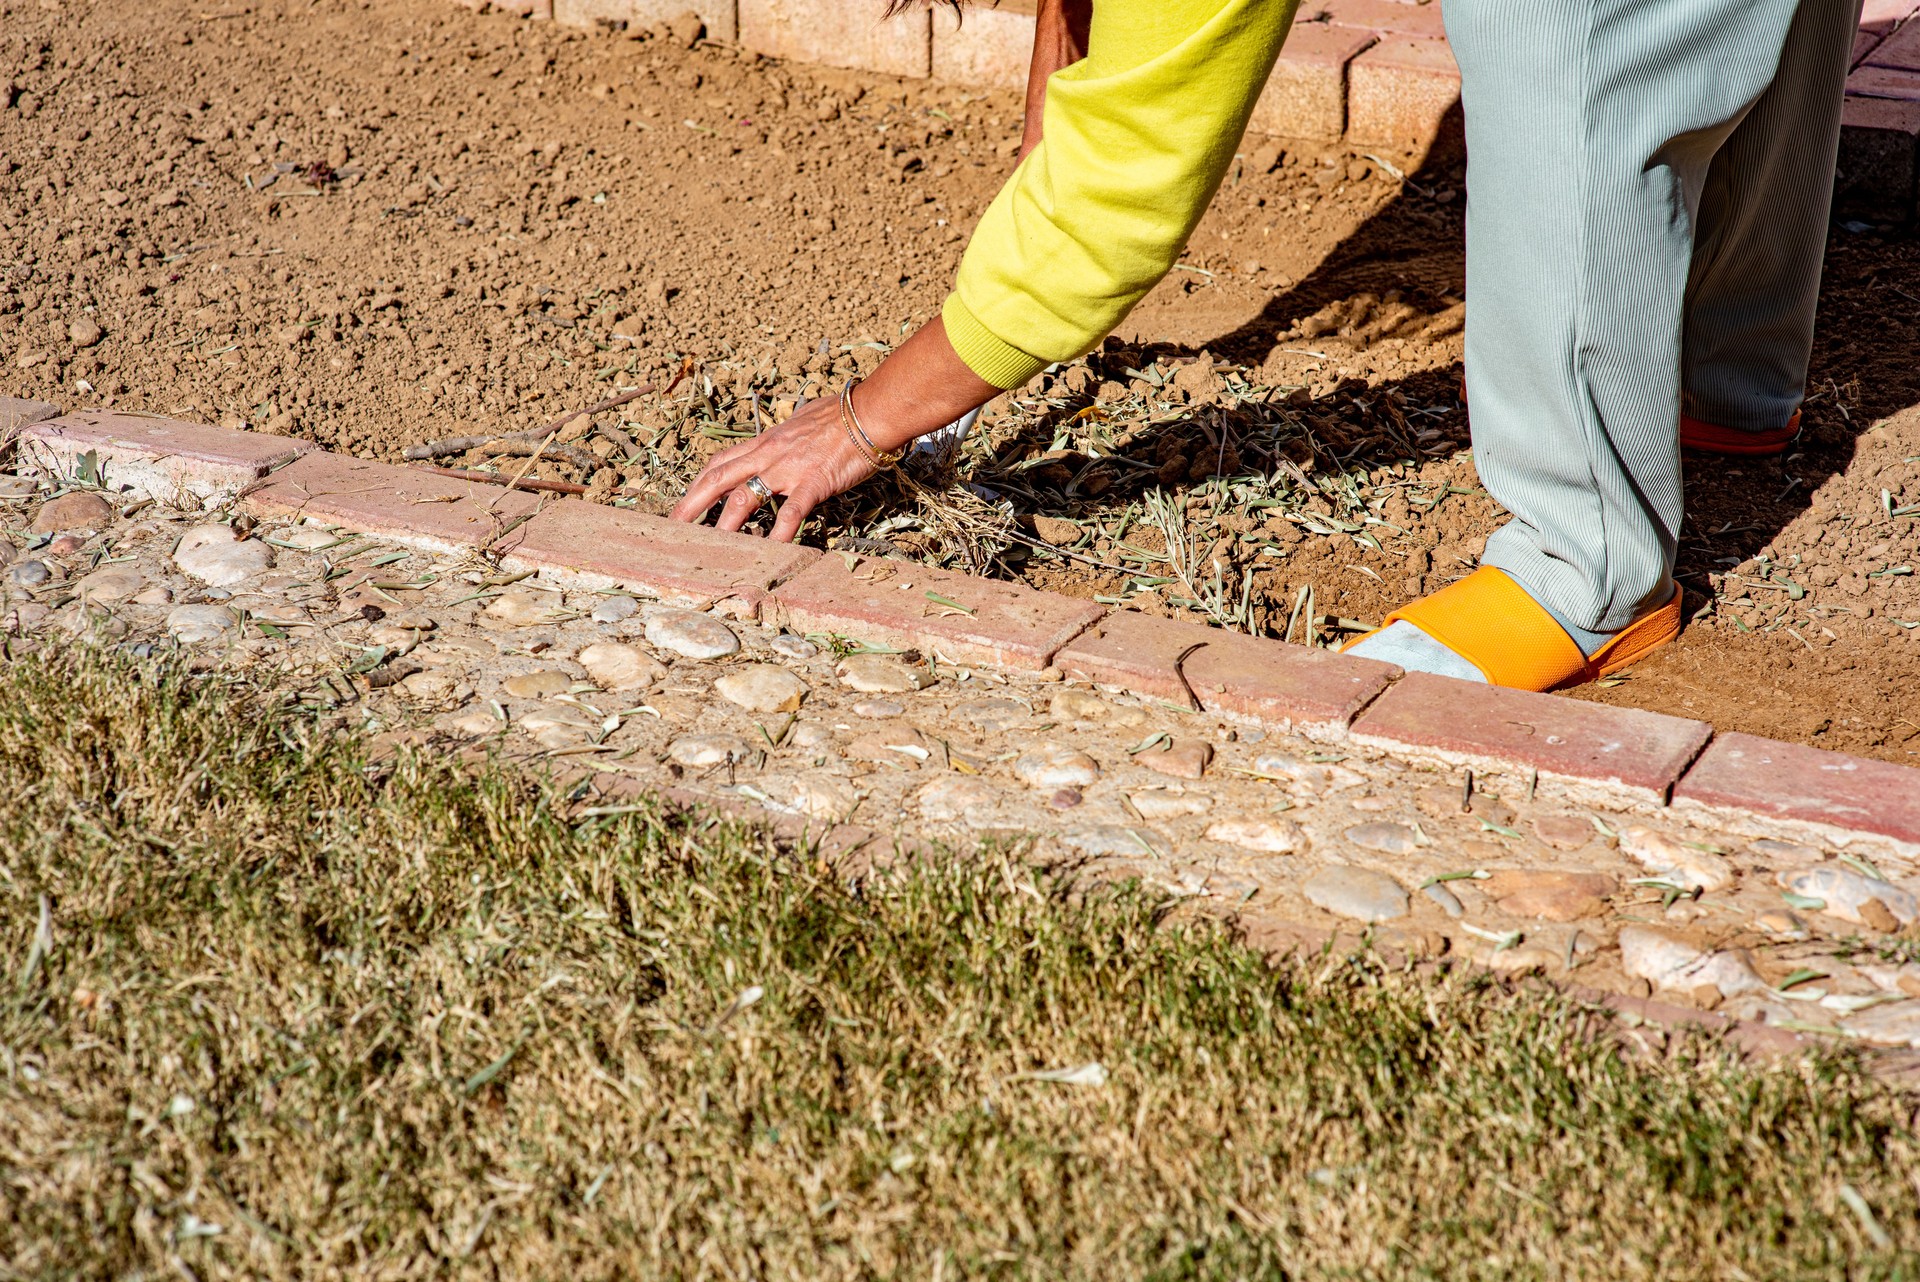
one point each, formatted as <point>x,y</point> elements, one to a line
<point>874,453</point>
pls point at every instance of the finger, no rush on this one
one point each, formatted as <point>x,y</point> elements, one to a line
<point>793,513</point>
<point>740,505</point>
<point>714,481</point>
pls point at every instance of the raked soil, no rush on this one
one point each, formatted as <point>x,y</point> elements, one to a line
<point>380,226</point>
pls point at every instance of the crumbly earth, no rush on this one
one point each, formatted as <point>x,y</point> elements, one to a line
<point>1296,840</point>
<point>377,227</point>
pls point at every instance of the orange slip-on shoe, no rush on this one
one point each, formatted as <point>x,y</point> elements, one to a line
<point>1491,622</point>
<point>1711,438</point>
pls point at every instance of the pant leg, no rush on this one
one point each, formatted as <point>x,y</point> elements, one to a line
<point>1591,125</point>
<point>1761,235</point>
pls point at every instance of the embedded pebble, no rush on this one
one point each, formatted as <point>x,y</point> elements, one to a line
<point>792,647</point>
<point>1889,1024</point>
<point>810,734</point>
<point>25,617</point>
<point>65,545</point>
<point>698,750</point>
<point>1673,861</point>
<point>306,538</point>
<point>474,722</point>
<point>1188,759</point>
<point>557,725</point>
<point>396,641</point>
<point>992,715</point>
<point>537,685</point>
<point>1359,893</point>
<point>7,552</point>
<point>412,620</point>
<point>1053,766</point>
<point>1854,897</point>
<point>1066,799</point>
<point>881,674</point>
<point>1107,841</point>
<point>1666,961</point>
<point>957,798</point>
<point>1548,895</point>
<point>79,510</point>
<point>433,687</point>
<point>1384,838</point>
<point>814,796</point>
<point>614,666</point>
<point>877,709</point>
<point>1563,832</point>
<point>691,634</point>
<point>1312,776</point>
<point>1791,852</point>
<point>757,687</point>
<point>1164,803</point>
<point>1080,705</point>
<point>211,554</point>
<point>197,624</point>
<point>615,609</point>
<point>112,583</point>
<point>29,574</point>
<point>524,609</point>
<point>1449,902</point>
<point>1781,924</point>
<point>898,745</point>
<point>1273,836</point>
<point>152,596</point>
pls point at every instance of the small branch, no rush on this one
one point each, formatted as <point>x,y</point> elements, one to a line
<point>512,483</point>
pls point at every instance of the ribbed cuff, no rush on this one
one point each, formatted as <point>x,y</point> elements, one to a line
<point>987,354</point>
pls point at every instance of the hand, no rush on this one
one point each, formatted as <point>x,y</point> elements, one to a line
<point>807,459</point>
<point>810,458</point>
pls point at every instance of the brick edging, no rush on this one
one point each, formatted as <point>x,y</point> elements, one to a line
<point>1585,751</point>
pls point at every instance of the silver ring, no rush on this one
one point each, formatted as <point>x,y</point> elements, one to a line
<point>759,489</point>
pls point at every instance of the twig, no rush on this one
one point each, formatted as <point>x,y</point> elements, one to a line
<point>526,449</point>
<point>553,428</point>
<point>448,445</point>
<point>494,478</point>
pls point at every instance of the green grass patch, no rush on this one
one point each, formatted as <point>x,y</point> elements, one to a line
<point>293,1015</point>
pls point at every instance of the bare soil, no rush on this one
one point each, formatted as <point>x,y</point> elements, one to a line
<point>376,227</point>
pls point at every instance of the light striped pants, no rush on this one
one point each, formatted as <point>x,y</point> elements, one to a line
<point>1648,184</point>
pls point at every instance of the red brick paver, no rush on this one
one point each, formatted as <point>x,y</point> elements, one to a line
<point>1306,96</point>
<point>1404,94</point>
<point>839,35</point>
<point>1808,785</point>
<point>16,414</point>
<point>1382,17</point>
<point>1900,50</point>
<point>403,504</point>
<point>161,455</point>
<point>1871,81</point>
<point>1641,753</point>
<point>595,546</point>
<point>1312,692</point>
<point>893,603</point>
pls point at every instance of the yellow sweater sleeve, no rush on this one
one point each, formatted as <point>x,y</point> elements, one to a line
<point>1135,140</point>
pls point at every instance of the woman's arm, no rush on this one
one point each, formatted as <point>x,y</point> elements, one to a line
<point>1059,41</point>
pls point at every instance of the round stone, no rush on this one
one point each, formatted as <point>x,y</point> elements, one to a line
<point>557,725</point>
<point>80,510</point>
<point>1054,766</point>
<point>1854,897</point>
<point>395,641</point>
<point>306,538</point>
<point>815,796</point>
<point>878,709</point>
<point>29,574</point>
<point>7,552</point>
<point>792,647</point>
<point>537,685</point>
<point>1187,759</point>
<point>1083,705</point>
<point>1309,776</point>
<point>1666,961</point>
<point>992,715</point>
<point>1563,832</point>
<point>614,666</point>
<point>962,799</point>
<point>614,609</point>
<point>152,596</point>
<point>758,687</point>
<point>211,554</point>
<point>474,722</point>
<point>881,674</point>
<point>1270,836</point>
<point>1359,893</point>
<point>198,624</point>
<point>1548,895</point>
<point>692,634</point>
<point>1164,803</point>
<point>1111,841</point>
<point>524,609</point>
<point>111,583</point>
<point>1065,799</point>
<point>810,734</point>
<point>1449,903</point>
<point>84,332</point>
<point>1384,838</point>
<point>1672,860</point>
<point>697,751</point>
